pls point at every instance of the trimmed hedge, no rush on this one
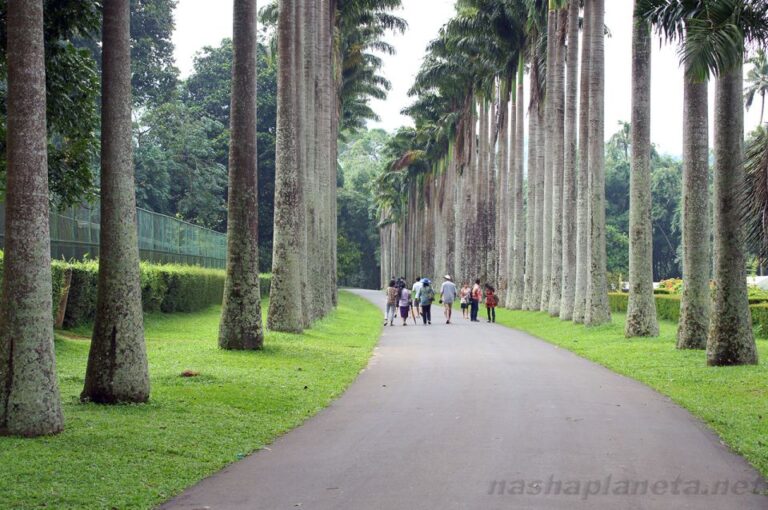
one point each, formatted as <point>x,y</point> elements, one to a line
<point>166,288</point>
<point>668,308</point>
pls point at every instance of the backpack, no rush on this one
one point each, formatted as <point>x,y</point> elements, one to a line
<point>428,293</point>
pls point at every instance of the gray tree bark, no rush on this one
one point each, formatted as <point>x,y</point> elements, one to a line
<point>117,362</point>
<point>532,234</point>
<point>582,180</point>
<point>289,248</point>
<point>30,404</point>
<point>519,263</point>
<point>693,326</point>
<point>731,339</point>
<point>549,153</point>
<point>558,147</point>
<point>641,311</point>
<point>241,327</point>
<point>598,310</point>
<point>569,169</point>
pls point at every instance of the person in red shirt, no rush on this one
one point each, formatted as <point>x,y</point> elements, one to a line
<point>491,301</point>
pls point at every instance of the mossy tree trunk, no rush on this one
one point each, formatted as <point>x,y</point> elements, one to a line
<point>241,327</point>
<point>693,326</point>
<point>518,240</point>
<point>549,153</point>
<point>582,179</point>
<point>598,309</point>
<point>731,339</point>
<point>569,166</point>
<point>641,310</point>
<point>29,393</point>
<point>532,233</point>
<point>117,362</point>
<point>286,311</point>
<point>558,149</point>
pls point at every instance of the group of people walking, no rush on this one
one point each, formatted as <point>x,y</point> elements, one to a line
<point>416,301</point>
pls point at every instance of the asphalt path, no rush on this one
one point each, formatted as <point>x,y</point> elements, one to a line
<point>478,416</point>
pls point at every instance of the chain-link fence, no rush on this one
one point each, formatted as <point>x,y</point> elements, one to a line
<point>75,235</point>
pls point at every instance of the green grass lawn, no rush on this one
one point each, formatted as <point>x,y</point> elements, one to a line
<point>138,456</point>
<point>732,400</point>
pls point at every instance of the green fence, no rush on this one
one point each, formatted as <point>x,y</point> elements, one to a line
<point>75,235</point>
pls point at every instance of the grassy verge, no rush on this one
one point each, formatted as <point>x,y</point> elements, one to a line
<point>732,400</point>
<point>138,456</point>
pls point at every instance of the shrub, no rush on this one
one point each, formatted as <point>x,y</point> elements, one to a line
<point>618,301</point>
<point>668,307</point>
<point>760,319</point>
<point>672,285</point>
<point>81,303</point>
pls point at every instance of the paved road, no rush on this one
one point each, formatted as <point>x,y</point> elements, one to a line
<point>458,417</point>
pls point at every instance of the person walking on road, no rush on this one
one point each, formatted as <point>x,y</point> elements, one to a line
<point>447,297</point>
<point>426,297</point>
<point>417,285</point>
<point>464,295</point>
<point>405,305</point>
<point>491,302</point>
<point>392,293</point>
<point>475,296</point>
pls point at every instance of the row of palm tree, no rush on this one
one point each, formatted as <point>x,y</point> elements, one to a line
<point>324,86</point>
<point>327,77</point>
<point>460,171</point>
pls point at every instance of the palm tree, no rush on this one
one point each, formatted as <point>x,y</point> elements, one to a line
<point>568,266</point>
<point>29,394</point>
<point>520,266</point>
<point>757,79</point>
<point>716,33</point>
<point>550,155</point>
<point>117,362</point>
<point>582,180</point>
<point>558,148</point>
<point>695,303</point>
<point>597,308</point>
<point>286,312</point>
<point>641,311</point>
<point>241,327</point>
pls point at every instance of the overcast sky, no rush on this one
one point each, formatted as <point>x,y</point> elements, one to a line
<point>197,26</point>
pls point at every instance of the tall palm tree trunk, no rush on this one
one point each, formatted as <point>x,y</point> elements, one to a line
<point>505,200</point>
<point>30,404</point>
<point>532,235</point>
<point>549,156</point>
<point>569,167</point>
<point>519,264</point>
<point>285,310</point>
<point>582,179</point>
<point>538,110</point>
<point>641,311</point>
<point>694,308</point>
<point>731,339</point>
<point>558,147</point>
<point>241,326</point>
<point>117,362</point>
<point>598,310</point>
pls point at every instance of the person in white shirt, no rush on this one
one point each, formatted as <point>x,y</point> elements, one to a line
<point>447,297</point>
<point>417,286</point>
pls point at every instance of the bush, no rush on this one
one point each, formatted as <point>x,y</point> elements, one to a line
<point>618,301</point>
<point>760,319</point>
<point>668,308</point>
<point>81,303</point>
<point>164,288</point>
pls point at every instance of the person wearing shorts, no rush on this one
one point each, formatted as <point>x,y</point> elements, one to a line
<point>415,296</point>
<point>405,306</point>
<point>464,294</point>
<point>447,297</point>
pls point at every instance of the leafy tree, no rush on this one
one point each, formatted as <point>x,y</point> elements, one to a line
<point>72,89</point>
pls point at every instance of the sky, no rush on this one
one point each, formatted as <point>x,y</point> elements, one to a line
<point>198,26</point>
